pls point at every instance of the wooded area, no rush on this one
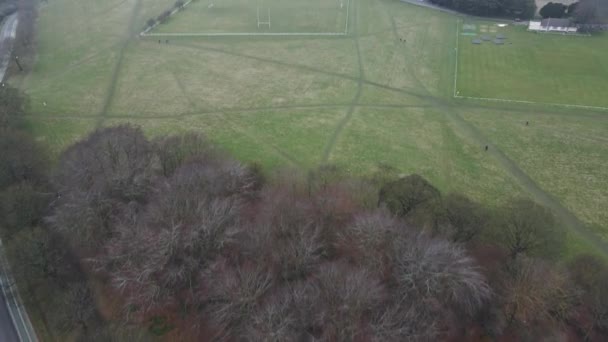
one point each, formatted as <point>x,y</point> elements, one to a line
<point>522,9</point>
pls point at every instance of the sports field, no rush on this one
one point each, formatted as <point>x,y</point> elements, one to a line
<point>537,67</point>
<point>260,16</point>
<point>382,94</point>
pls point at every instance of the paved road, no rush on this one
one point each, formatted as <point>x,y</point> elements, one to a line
<point>7,329</point>
<point>15,324</point>
<point>7,36</point>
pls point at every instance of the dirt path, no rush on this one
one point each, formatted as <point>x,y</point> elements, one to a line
<point>7,37</point>
<point>130,34</point>
<point>353,105</point>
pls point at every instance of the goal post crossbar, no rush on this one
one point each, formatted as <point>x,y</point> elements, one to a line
<point>260,23</point>
<point>267,22</point>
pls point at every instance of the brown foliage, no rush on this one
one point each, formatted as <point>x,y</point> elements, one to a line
<point>95,177</point>
<point>534,292</point>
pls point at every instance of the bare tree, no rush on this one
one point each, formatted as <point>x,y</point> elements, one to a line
<point>533,291</point>
<point>530,228</point>
<point>341,302</point>
<point>75,308</point>
<point>285,236</point>
<point>235,296</point>
<point>160,256</point>
<point>175,150</point>
<point>591,12</point>
<point>40,259</point>
<point>21,159</point>
<point>110,168</point>
<point>21,206</point>
<point>404,195</point>
<point>278,318</point>
<point>405,319</point>
<point>12,107</point>
<point>590,275</point>
<point>370,240</point>
<point>439,270</point>
<point>466,219</point>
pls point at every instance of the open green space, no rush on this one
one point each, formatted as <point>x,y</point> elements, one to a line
<point>380,95</point>
<point>537,67</point>
<point>242,16</point>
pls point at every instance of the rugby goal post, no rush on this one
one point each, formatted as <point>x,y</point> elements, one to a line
<point>266,21</point>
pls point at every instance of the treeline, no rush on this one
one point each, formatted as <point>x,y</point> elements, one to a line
<point>48,276</point>
<point>164,16</point>
<point>129,238</point>
<point>522,9</point>
<point>199,247</point>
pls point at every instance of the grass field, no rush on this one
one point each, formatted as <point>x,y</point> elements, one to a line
<point>381,94</point>
<point>547,68</point>
<point>241,16</point>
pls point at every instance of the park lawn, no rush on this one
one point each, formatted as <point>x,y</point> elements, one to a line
<point>380,95</point>
<point>547,68</point>
<point>187,78</point>
<point>241,16</point>
<point>421,140</point>
<point>565,154</point>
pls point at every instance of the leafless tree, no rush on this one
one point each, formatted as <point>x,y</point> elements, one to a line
<point>235,296</point>
<point>108,169</point>
<point>13,105</point>
<point>441,271</point>
<point>341,302</point>
<point>75,308</point>
<point>160,256</point>
<point>533,291</point>
<point>590,275</point>
<point>116,162</point>
<point>370,240</point>
<point>405,319</point>
<point>284,235</point>
<point>404,195</point>
<point>530,228</point>
<point>40,259</point>
<point>465,218</point>
<point>175,150</point>
<point>21,159</point>
<point>278,318</point>
<point>21,206</point>
<point>591,12</point>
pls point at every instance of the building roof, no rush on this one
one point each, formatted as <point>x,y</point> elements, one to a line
<point>555,22</point>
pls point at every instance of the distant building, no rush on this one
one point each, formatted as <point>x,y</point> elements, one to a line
<point>553,25</point>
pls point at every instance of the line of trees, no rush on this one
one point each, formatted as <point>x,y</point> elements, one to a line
<point>588,14</point>
<point>198,246</point>
<point>523,9</point>
<point>164,16</point>
<point>48,275</point>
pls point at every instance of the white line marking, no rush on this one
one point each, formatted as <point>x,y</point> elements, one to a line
<point>530,102</point>
<point>347,17</point>
<point>457,51</point>
<point>228,34</point>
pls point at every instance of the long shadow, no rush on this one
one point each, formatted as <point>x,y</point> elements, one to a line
<point>351,109</point>
<point>118,65</point>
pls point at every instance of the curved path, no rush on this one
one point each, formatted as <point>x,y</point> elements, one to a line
<point>15,325</point>
<point>7,36</point>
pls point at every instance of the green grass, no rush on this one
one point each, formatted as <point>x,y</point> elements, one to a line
<point>382,94</point>
<point>547,68</point>
<point>565,153</point>
<point>240,16</point>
